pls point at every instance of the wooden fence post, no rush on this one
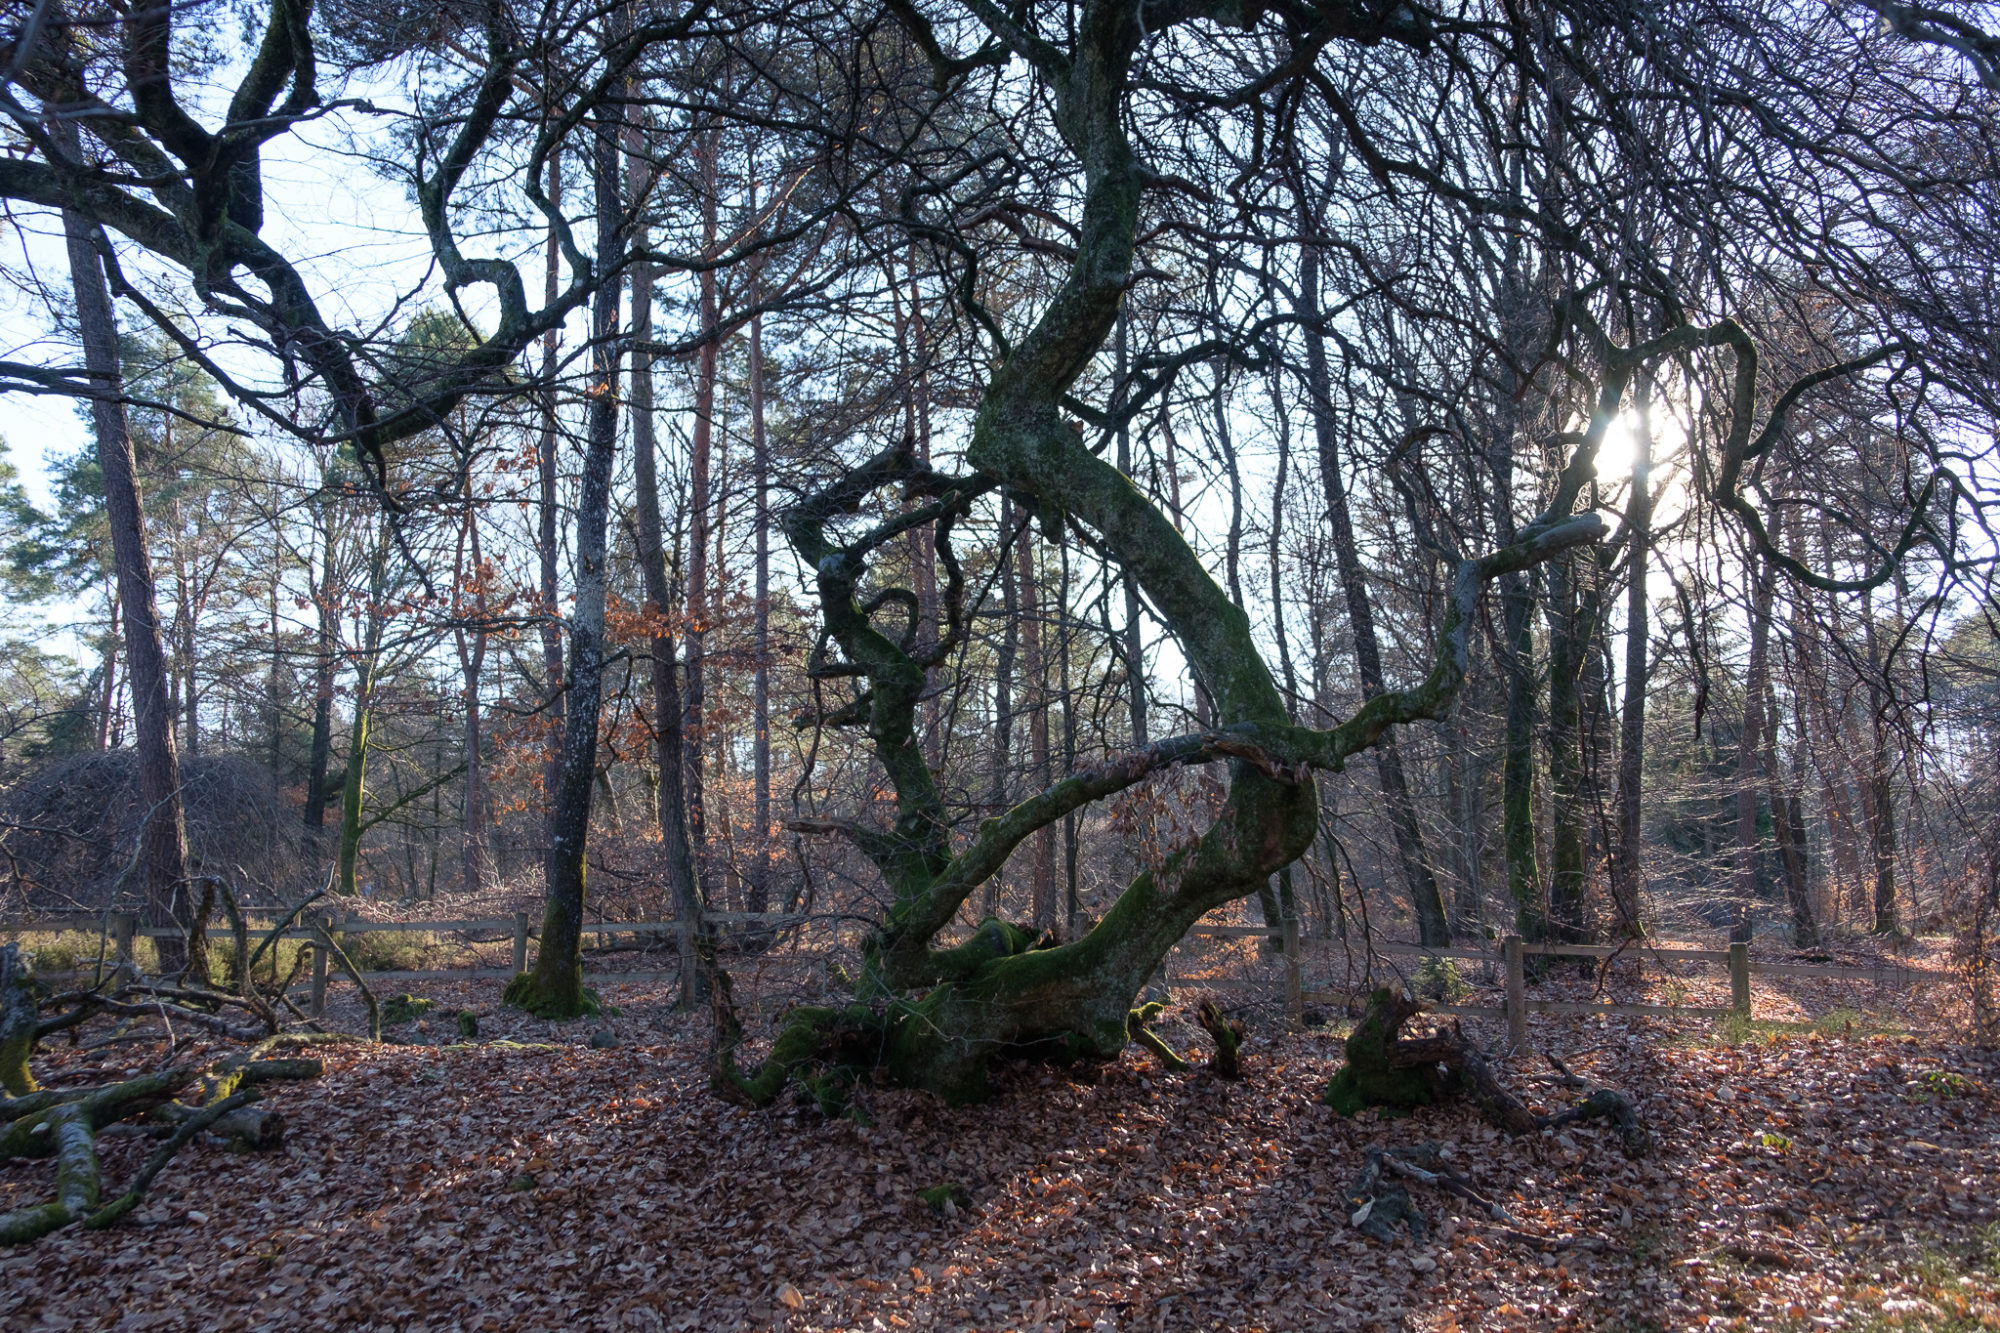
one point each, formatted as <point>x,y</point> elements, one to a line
<point>123,925</point>
<point>1517,998</point>
<point>520,943</point>
<point>1739,979</point>
<point>1295,991</point>
<point>318,1003</point>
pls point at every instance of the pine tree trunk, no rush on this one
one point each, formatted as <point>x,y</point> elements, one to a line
<point>670,812</point>
<point>163,841</point>
<point>694,702</point>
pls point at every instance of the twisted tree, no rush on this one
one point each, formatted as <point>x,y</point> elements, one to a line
<point>1211,84</point>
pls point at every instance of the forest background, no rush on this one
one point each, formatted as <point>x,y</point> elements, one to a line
<point>1365,335</point>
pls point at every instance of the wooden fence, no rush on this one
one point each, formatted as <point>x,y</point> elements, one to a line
<point>117,930</point>
<point>1514,951</point>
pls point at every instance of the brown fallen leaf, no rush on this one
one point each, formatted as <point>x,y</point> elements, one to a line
<point>791,1297</point>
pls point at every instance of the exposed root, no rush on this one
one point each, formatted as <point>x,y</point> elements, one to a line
<point>1401,1074</point>
<point>811,1049</point>
<point>1228,1034</point>
<point>1138,1025</point>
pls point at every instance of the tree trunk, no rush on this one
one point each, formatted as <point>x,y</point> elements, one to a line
<point>324,659</point>
<point>471,664</point>
<point>1517,774</point>
<point>1433,928</point>
<point>1628,869</point>
<point>163,842</point>
<point>1003,691</point>
<point>760,683</point>
<point>1788,817</point>
<point>1881,798</point>
<point>694,702</point>
<point>1135,644</point>
<point>670,811</point>
<point>353,786</point>
<point>110,705</point>
<point>1761,581</point>
<point>1035,696</point>
<point>548,531</point>
<point>554,987</point>
<point>1569,643</point>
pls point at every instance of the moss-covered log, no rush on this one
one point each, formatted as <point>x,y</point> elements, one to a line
<point>65,1123</point>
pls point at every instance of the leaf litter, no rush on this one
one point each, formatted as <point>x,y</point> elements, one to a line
<point>1799,1181</point>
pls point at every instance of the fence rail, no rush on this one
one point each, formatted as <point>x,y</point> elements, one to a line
<point>119,929</point>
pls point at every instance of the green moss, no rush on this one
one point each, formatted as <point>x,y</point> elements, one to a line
<point>1439,979</point>
<point>405,1008</point>
<point>1368,1079</point>
<point>938,1196</point>
<point>526,994</point>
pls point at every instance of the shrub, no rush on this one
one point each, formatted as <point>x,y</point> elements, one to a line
<point>1438,979</point>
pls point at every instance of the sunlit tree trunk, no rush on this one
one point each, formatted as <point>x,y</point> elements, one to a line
<point>1628,865</point>
<point>360,735</point>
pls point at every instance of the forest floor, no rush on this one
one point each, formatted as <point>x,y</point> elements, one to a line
<point>1838,1176</point>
